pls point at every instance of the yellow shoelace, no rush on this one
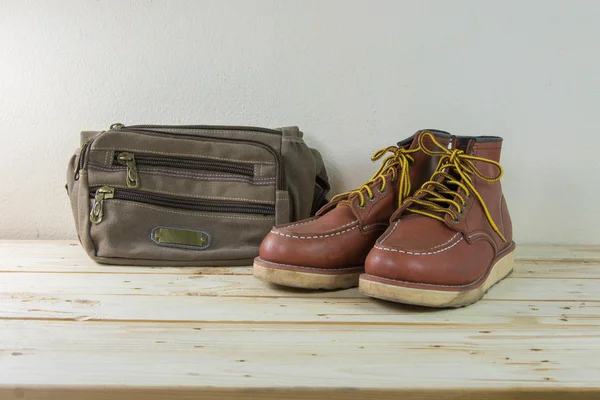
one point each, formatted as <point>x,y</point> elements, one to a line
<point>461,163</point>
<point>401,158</point>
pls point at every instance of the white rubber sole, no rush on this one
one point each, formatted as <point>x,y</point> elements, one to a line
<point>306,280</point>
<point>438,298</point>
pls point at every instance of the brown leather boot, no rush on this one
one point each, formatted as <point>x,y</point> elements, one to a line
<point>328,251</point>
<point>450,242</point>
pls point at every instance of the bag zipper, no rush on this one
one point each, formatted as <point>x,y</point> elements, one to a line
<point>281,181</point>
<point>131,161</point>
<point>118,126</point>
<point>100,194</point>
<point>81,158</point>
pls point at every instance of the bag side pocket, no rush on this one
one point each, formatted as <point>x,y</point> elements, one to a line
<point>300,173</point>
<point>78,192</point>
<point>322,186</point>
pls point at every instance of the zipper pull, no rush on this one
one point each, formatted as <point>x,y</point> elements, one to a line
<point>116,127</point>
<point>128,160</point>
<point>105,192</point>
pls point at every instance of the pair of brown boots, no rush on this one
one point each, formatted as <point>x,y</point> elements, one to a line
<point>441,245</point>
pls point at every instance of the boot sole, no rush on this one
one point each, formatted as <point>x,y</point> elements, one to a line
<point>307,277</point>
<point>436,296</point>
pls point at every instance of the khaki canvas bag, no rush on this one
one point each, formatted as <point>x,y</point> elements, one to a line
<point>189,195</point>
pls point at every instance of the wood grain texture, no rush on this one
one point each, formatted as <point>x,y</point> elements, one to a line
<point>67,256</point>
<point>256,355</point>
<point>233,310</point>
<point>73,329</point>
<point>27,284</point>
<point>296,393</point>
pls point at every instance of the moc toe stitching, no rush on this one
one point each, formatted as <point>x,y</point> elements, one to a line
<point>424,253</point>
<point>333,233</point>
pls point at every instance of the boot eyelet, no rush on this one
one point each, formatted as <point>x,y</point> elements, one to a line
<point>455,220</point>
<point>381,191</point>
<point>371,198</point>
<point>362,207</point>
<point>461,213</point>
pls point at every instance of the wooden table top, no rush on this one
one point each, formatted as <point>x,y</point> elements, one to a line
<point>74,329</point>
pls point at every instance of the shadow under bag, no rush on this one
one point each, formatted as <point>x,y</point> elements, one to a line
<point>189,195</point>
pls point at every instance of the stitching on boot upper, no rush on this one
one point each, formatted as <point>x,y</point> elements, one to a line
<point>308,222</point>
<point>471,236</point>
<point>300,223</point>
<point>348,224</point>
<point>488,238</point>
<point>375,224</point>
<point>445,243</point>
<point>392,231</point>
<point>413,253</point>
<point>313,237</point>
<point>439,285</point>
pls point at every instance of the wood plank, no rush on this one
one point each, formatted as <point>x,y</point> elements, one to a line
<point>529,269</point>
<point>69,267</point>
<point>68,256</point>
<point>552,252</point>
<point>28,285</point>
<point>157,333</point>
<point>556,269</point>
<point>66,248</point>
<point>235,310</point>
<point>295,393</point>
<point>286,356</point>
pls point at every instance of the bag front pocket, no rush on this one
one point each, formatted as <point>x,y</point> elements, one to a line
<point>131,161</point>
<point>139,226</point>
<point>101,194</point>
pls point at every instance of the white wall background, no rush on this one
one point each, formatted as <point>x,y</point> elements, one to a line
<point>354,75</point>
